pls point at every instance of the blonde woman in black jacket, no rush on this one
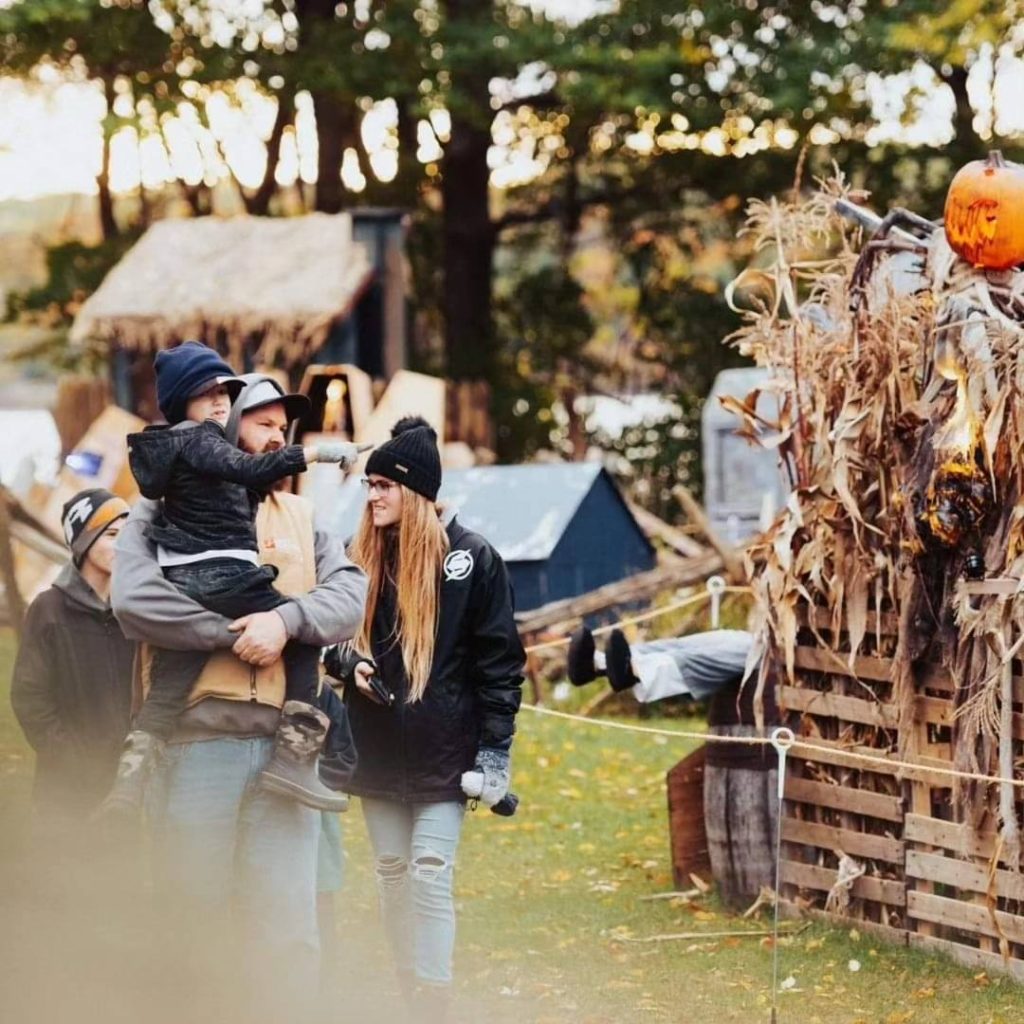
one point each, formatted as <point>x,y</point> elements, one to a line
<point>437,674</point>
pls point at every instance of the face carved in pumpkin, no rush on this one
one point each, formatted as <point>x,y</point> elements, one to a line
<point>983,213</point>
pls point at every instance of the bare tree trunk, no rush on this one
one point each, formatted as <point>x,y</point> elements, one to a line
<point>330,134</point>
<point>145,206</point>
<point>108,225</point>
<point>468,244</point>
<point>966,140</point>
<point>468,233</point>
<point>259,202</point>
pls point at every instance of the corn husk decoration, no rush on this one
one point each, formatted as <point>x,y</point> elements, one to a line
<point>898,373</point>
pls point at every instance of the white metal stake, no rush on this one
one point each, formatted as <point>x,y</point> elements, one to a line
<point>782,739</point>
<point>715,587</point>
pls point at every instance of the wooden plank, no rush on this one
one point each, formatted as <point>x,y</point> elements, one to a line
<point>833,705</point>
<point>828,837</point>
<point>934,676</point>
<point>967,917</point>
<point>919,828</point>
<point>640,587</point>
<point>831,752</point>
<point>867,887</point>
<point>939,711</point>
<point>1003,586</point>
<point>843,756</point>
<point>653,526</point>
<point>896,936</point>
<point>843,798</point>
<point>821,619</point>
<point>688,841</point>
<point>732,559</point>
<point>934,710</point>
<point>963,874</point>
<point>865,666</point>
<point>968,956</point>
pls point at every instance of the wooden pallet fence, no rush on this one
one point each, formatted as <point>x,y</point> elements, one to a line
<point>929,881</point>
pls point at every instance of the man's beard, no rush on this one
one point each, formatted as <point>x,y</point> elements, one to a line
<point>271,446</point>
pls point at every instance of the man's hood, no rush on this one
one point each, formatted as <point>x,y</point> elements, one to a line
<point>72,583</point>
<point>294,405</point>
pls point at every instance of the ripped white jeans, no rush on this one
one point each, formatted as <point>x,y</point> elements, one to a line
<point>414,849</point>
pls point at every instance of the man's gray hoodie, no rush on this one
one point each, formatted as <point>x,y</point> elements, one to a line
<point>151,609</point>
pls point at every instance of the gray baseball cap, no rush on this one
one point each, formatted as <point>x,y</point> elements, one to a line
<point>260,390</point>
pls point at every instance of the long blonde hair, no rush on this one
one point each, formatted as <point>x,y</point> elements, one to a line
<point>415,549</point>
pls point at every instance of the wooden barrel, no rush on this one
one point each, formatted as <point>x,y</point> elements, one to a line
<point>740,799</point>
<point>689,843</point>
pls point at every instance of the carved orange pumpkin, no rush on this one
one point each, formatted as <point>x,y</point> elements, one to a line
<point>985,213</point>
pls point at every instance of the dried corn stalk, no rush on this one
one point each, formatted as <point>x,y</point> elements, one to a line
<point>893,401</point>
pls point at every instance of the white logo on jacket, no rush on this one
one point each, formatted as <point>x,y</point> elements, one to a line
<point>458,565</point>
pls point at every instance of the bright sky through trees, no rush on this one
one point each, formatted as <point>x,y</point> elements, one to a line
<point>50,140</point>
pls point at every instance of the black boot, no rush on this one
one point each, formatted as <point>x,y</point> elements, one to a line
<point>580,662</point>
<point>141,750</point>
<point>620,665</point>
<point>292,770</point>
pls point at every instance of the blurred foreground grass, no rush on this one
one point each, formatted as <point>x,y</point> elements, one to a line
<point>548,899</point>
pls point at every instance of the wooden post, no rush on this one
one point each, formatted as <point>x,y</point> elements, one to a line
<point>15,602</point>
<point>730,557</point>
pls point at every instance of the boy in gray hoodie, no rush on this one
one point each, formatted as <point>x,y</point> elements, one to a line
<point>71,688</point>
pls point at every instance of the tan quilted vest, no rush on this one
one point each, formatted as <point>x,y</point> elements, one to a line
<point>284,528</point>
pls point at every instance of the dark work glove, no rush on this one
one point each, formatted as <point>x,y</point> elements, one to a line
<point>340,662</point>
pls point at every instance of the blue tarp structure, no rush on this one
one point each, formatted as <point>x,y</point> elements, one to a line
<point>563,529</point>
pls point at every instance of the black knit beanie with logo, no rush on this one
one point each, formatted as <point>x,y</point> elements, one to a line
<point>410,457</point>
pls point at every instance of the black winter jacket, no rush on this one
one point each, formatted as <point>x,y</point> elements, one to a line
<point>416,753</point>
<point>71,691</point>
<point>210,488</point>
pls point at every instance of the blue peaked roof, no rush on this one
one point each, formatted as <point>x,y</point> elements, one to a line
<point>522,510</point>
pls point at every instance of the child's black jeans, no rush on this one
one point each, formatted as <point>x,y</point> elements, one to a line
<point>231,588</point>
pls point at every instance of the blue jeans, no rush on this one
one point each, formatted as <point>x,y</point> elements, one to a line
<point>330,867</point>
<point>414,846</point>
<point>226,851</point>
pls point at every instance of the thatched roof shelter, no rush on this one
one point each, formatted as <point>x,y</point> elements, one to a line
<point>278,284</point>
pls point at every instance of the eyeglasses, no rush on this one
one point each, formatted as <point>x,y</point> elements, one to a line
<point>382,487</point>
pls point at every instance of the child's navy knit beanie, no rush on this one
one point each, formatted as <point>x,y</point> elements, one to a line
<point>184,372</point>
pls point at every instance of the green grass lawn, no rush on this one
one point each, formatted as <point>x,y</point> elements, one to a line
<point>547,899</point>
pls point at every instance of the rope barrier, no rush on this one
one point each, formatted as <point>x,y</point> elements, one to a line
<point>686,602</point>
<point>798,745</point>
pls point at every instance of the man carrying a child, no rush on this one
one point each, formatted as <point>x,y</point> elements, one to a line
<point>221,839</point>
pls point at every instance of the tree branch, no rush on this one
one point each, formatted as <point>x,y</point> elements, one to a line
<point>539,101</point>
<point>555,209</point>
